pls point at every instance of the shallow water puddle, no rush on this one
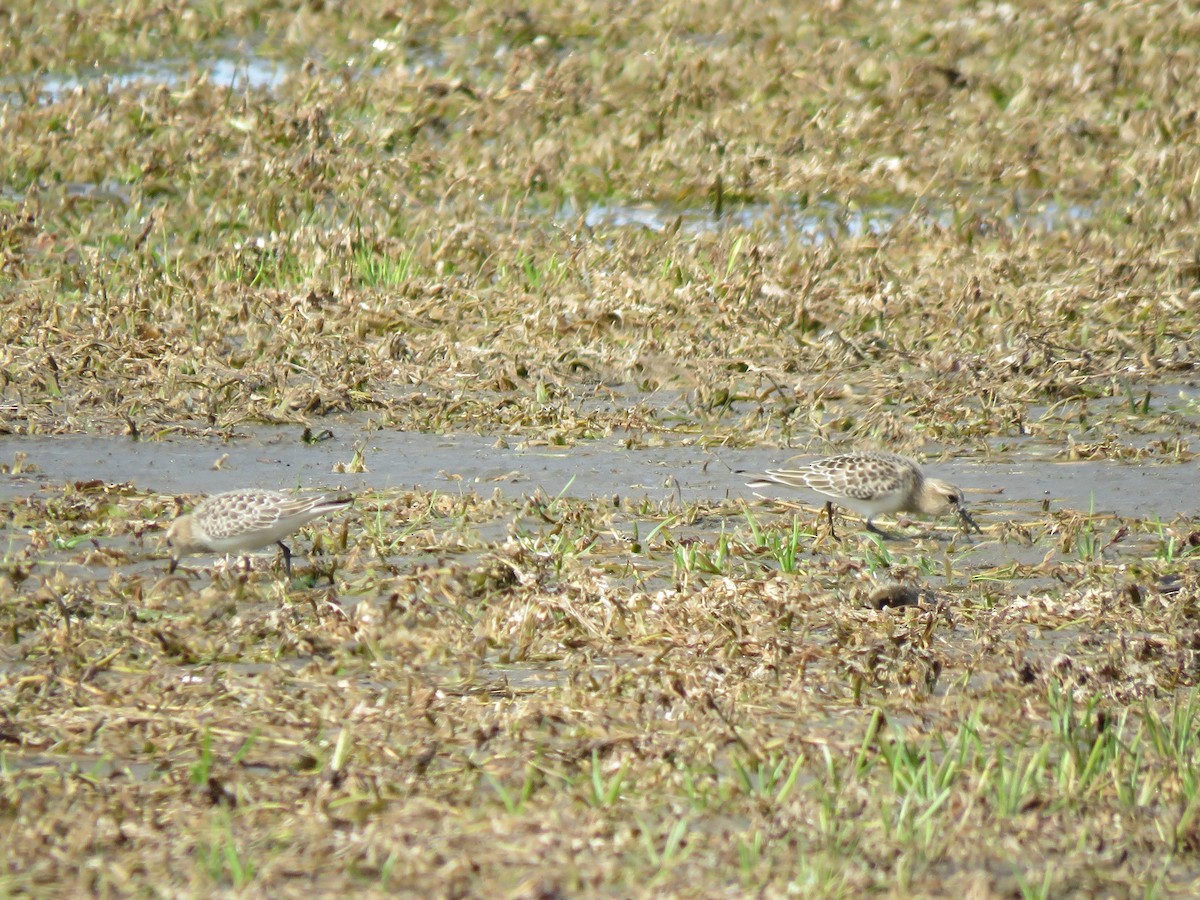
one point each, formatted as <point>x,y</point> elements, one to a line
<point>819,222</point>
<point>244,72</point>
<point>1043,518</point>
<point>1013,485</point>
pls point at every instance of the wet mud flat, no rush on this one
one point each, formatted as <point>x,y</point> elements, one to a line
<point>557,647</point>
<point>533,283</point>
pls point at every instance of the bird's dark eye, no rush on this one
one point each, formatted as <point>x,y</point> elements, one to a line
<point>952,498</point>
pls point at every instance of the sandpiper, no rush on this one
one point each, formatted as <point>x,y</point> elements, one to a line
<point>873,484</point>
<point>240,521</point>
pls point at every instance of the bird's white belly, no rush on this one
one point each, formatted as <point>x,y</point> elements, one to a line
<point>876,506</point>
<point>250,540</point>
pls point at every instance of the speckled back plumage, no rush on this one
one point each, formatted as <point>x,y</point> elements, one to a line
<point>856,476</point>
<point>227,515</point>
<point>239,521</point>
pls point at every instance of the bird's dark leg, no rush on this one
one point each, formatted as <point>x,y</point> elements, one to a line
<point>875,529</point>
<point>287,558</point>
<point>829,513</point>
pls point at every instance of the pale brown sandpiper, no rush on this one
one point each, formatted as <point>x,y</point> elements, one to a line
<point>873,484</point>
<point>241,521</point>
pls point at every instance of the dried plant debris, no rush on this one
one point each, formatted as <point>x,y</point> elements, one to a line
<point>960,232</point>
<point>539,673</point>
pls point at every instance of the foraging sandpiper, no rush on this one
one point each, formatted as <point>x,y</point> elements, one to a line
<point>873,484</point>
<point>240,521</point>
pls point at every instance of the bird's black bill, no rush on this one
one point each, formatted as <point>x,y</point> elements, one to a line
<point>965,517</point>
